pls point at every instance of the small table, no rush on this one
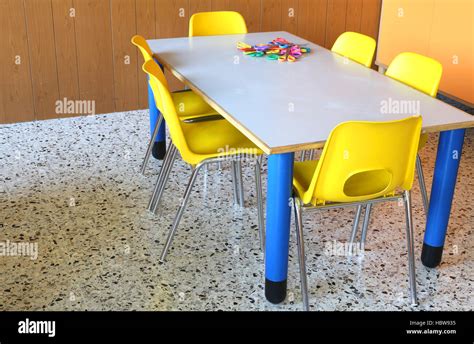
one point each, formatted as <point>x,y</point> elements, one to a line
<point>289,107</point>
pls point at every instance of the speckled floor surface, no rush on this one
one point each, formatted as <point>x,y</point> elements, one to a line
<point>73,187</point>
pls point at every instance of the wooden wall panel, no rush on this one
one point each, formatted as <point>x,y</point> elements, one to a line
<point>124,26</point>
<point>251,10</point>
<point>196,6</point>
<point>66,54</point>
<point>42,51</point>
<point>271,15</point>
<point>83,56</point>
<point>145,11</point>
<point>172,19</point>
<point>289,16</point>
<point>353,15</point>
<point>312,20</point>
<point>94,53</point>
<point>335,20</point>
<point>16,94</point>
<point>370,17</point>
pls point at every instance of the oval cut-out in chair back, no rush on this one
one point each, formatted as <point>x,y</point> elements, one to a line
<point>365,183</point>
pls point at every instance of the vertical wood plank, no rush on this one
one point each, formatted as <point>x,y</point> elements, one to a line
<point>39,24</point>
<point>145,11</point>
<point>172,20</point>
<point>312,20</point>
<point>16,93</point>
<point>272,15</point>
<point>196,6</point>
<point>370,18</point>
<point>94,53</point>
<point>124,26</point>
<point>251,10</point>
<point>335,21</point>
<point>289,16</point>
<point>65,38</point>
<point>353,15</point>
<point>172,17</point>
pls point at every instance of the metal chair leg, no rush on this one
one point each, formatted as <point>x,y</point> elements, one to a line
<point>240,183</point>
<point>301,254</point>
<point>410,248</point>
<point>355,227</point>
<point>261,220</point>
<point>166,175</point>
<point>365,225</point>
<point>303,156</point>
<point>150,144</point>
<point>159,179</point>
<point>180,212</point>
<point>421,181</point>
<point>235,181</point>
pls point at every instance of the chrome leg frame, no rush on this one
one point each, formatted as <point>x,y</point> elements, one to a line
<point>165,180</point>
<point>301,254</point>
<point>355,227</point>
<point>421,180</point>
<point>162,178</point>
<point>151,143</point>
<point>261,219</point>
<point>240,183</point>
<point>235,182</point>
<point>365,225</point>
<point>181,209</point>
<point>410,248</point>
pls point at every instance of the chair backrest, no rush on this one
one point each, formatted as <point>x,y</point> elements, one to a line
<point>141,43</point>
<point>366,160</point>
<point>355,46</point>
<point>418,71</point>
<point>165,104</point>
<point>216,23</point>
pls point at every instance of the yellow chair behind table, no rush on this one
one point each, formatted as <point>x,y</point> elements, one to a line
<point>355,46</point>
<point>216,23</point>
<point>359,165</point>
<point>190,105</point>
<point>199,143</point>
<point>424,74</point>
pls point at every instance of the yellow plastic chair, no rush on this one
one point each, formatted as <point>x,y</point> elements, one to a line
<point>214,24</point>
<point>200,144</point>
<point>191,106</point>
<point>217,23</point>
<point>359,166</point>
<point>424,74</point>
<point>355,46</point>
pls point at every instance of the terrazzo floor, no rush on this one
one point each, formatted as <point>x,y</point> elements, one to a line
<point>73,187</point>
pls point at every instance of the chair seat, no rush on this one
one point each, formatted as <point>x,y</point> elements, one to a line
<point>215,139</point>
<point>189,105</point>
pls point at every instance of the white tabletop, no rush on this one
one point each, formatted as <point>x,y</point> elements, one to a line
<point>285,107</point>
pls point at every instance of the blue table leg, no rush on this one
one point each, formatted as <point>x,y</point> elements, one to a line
<point>159,147</point>
<point>280,180</point>
<point>442,192</point>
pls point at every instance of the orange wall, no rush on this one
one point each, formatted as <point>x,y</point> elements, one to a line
<point>441,29</point>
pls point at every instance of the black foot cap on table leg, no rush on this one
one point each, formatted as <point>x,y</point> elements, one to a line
<point>275,292</point>
<point>159,150</point>
<point>431,256</point>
